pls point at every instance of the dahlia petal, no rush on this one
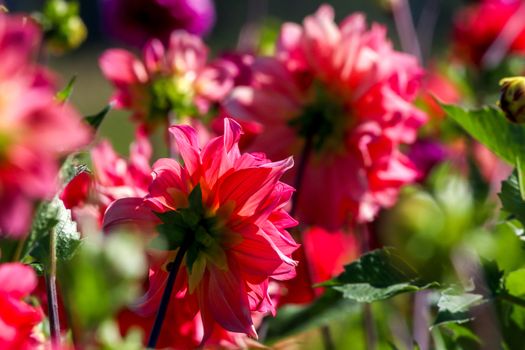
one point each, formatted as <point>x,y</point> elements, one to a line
<point>127,211</point>
<point>187,144</point>
<point>121,67</point>
<point>169,188</point>
<point>17,279</point>
<point>228,301</point>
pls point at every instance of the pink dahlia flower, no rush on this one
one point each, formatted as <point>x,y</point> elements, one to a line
<point>114,177</point>
<point>171,80</point>
<point>17,318</point>
<point>136,21</point>
<point>340,98</point>
<point>35,130</point>
<point>233,218</point>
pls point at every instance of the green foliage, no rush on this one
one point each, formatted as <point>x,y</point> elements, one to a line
<point>377,275</point>
<point>96,120</point>
<point>454,306</point>
<point>292,320</point>
<point>103,276</point>
<point>53,216</point>
<point>489,126</point>
<point>511,200</point>
<point>64,94</point>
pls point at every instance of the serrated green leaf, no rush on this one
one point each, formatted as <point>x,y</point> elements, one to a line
<point>489,126</point>
<point>510,197</point>
<point>64,94</point>
<point>71,167</point>
<point>96,119</point>
<point>377,275</point>
<point>53,216</point>
<point>454,306</point>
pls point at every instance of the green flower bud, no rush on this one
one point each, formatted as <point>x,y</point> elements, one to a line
<point>512,98</point>
<point>63,27</point>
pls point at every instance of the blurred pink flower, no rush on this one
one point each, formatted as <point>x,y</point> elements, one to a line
<point>134,22</point>
<point>17,318</point>
<point>35,129</point>
<point>242,241</point>
<point>341,97</point>
<point>171,80</point>
<point>478,26</point>
<point>114,178</point>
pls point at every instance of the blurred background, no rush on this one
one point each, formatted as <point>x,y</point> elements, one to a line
<point>92,91</point>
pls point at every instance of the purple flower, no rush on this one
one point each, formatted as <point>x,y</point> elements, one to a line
<point>426,154</point>
<point>136,21</point>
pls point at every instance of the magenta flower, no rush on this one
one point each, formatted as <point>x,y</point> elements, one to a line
<point>35,130</point>
<point>134,22</point>
<point>175,80</point>
<point>17,318</point>
<point>232,206</point>
<point>340,96</point>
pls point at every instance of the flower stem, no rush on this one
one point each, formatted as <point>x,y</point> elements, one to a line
<point>298,182</point>
<point>299,175</point>
<point>512,299</point>
<point>166,296</point>
<point>51,288</point>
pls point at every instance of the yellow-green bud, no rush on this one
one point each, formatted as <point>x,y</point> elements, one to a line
<point>512,98</point>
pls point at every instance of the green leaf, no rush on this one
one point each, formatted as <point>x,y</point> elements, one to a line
<point>53,216</point>
<point>96,119</point>
<point>291,320</point>
<point>64,94</point>
<point>489,126</point>
<point>377,275</point>
<point>510,197</point>
<point>454,306</point>
<point>71,167</point>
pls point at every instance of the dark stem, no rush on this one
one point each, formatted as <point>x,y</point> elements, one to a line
<point>298,182</point>
<point>328,342</point>
<point>51,288</point>
<point>512,299</point>
<point>166,296</point>
<point>299,175</point>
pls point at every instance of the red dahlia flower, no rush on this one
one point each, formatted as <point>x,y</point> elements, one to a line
<point>340,97</point>
<point>228,207</point>
<point>17,318</point>
<point>35,129</point>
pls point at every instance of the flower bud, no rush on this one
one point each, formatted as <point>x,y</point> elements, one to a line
<point>512,98</point>
<point>63,27</point>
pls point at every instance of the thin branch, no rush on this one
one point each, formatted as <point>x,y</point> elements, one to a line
<point>166,296</point>
<point>51,288</point>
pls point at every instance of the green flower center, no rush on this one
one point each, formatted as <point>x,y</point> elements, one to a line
<point>324,122</point>
<point>204,234</point>
<point>172,94</point>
